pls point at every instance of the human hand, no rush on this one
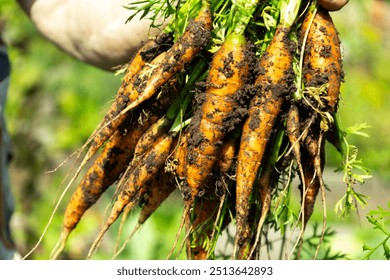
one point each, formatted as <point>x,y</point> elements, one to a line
<point>332,5</point>
<point>92,31</point>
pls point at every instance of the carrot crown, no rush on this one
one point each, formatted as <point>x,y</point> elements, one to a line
<point>289,11</point>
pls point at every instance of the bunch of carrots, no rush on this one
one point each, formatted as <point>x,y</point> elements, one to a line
<point>230,98</point>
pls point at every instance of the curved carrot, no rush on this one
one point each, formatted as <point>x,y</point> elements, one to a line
<point>267,180</point>
<point>323,65</point>
<point>147,52</point>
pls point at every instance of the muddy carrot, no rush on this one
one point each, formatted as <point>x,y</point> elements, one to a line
<point>268,178</point>
<point>227,75</point>
<point>147,52</point>
<point>273,86</point>
<point>148,80</point>
<point>322,58</point>
<point>147,167</point>
<point>157,190</point>
<point>313,161</point>
<point>111,163</point>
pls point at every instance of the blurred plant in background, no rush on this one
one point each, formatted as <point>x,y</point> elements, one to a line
<point>55,102</point>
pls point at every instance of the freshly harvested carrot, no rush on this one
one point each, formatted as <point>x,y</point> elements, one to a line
<point>273,85</point>
<point>313,161</point>
<point>226,76</point>
<point>147,167</point>
<point>293,131</point>
<point>208,218</point>
<point>147,139</point>
<point>267,180</point>
<point>162,186</point>
<point>148,80</point>
<point>156,191</point>
<point>322,64</point>
<point>133,203</point>
<point>110,123</point>
<point>228,71</point>
<point>146,53</point>
<point>321,67</point>
<point>111,163</point>
<point>322,59</point>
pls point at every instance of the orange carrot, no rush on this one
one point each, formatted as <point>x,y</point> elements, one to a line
<point>267,180</point>
<point>322,58</point>
<point>147,139</point>
<point>313,161</point>
<point>111,163</point>
<point>154,193</point>
<point>147,167</point>
<point>293,131</point>
<point>107,128</point>
<point>274,85</point>
<point>147,52</point>
<point>322,66</point>
<point>154,75</point>
<point>228,72</point>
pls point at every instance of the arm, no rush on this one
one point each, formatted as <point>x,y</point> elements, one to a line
<point>92,31</point>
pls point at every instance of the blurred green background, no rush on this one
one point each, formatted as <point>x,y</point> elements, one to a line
<point>55,102</point>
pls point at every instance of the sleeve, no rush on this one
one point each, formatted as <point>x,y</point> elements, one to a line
<point>7,248</point>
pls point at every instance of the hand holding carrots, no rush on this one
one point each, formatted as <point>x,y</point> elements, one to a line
<point>263,101</point>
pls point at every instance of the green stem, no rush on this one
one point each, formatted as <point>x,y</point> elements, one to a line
<point>198,72</point>
<point>242,12</point>
<point>188,10</point>
<point>298,93</point>
<point>289,11</point>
